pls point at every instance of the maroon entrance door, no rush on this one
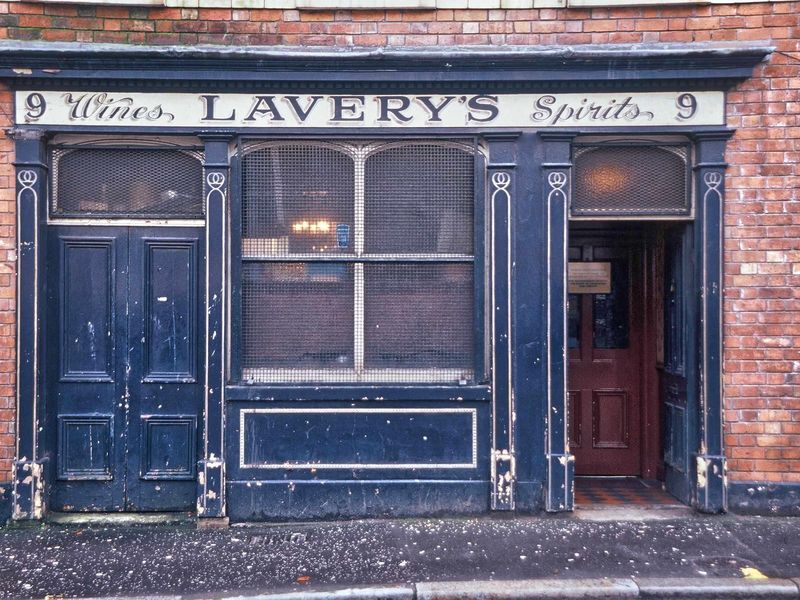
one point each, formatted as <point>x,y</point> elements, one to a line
<point>605,355</point>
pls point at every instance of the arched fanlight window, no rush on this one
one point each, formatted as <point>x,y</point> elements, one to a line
<point>133,182</point>
<point>631,180</point>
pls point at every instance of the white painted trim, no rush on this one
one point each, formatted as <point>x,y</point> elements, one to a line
<point>249,243</point>
<point>128,222</point>
<point>348,375</point>
<point>27,179</point>
<point>490,264</point>
<point>349,466</point>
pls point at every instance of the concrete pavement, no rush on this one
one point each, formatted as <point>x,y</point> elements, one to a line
<point>687,556</point>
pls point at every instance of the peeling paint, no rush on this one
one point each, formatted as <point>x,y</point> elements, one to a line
<point>28,490</point>
<point>503,482</point>
<point>702,472</point>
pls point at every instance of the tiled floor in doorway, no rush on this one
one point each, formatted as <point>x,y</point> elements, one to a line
<point>620,492</point>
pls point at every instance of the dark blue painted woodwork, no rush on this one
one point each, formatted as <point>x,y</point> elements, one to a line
<point>674,376</point>
<point>86,294</point>
<point>355,393</point>
<point>325,499</point>
<point>335,441</point>
<point>124,401</point>
<point>86,318</point>
<point>761,498</point>
<point>556,180</point>
<point>684,66</point>
<point>711,487</point>
<point>359,436</point>
<point>6,488</point>
<point>171,306</point>
<point>85,447</point>
<point>528,322</point>
<point>170,447</point>
<point>29,472</point>
<point>122,415</point>
<point>398,472</point>
<point>210,491</point>
<point>501,175</point>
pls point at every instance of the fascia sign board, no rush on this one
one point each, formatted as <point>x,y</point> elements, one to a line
<point>392,111</point>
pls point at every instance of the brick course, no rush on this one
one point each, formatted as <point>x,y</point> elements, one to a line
<point>762,215</point>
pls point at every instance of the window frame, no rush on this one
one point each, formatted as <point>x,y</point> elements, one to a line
<point>479,260</point>
<point>57,151</point>
<point>597,143</point>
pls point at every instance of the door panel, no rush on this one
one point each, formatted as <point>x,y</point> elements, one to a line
<point>170,309</point>
<point>610,425</point>
<point>87,318</point>
<point>122,387</point>
<point>673,375</point>
<point>576,420</point>
<point>605,362</point>
<point>165,349</point>
<point>86,284</point>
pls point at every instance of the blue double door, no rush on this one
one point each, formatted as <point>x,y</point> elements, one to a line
<point>123,366</point>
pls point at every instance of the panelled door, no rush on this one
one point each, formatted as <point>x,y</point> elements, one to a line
<point>604,329</point>
<point>676,434</point>
<point>124,366</point>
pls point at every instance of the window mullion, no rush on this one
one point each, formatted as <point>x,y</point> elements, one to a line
<point>358,268</point>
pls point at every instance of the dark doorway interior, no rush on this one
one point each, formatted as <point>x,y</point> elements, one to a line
<point>615,338</point>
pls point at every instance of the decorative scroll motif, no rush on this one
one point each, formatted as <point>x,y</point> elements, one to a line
<point>501,181</point>
<point>27,179</point>
<point>215,181</point>
<point>557,180</point>
<point>713,181</point>
<point>503,471</point>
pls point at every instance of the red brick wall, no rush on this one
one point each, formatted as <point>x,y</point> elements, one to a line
<point>7,291</point>
<point>762,309</point>
<point>762,259</point>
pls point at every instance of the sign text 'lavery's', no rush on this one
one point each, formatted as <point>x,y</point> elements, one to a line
<point>358,110</point>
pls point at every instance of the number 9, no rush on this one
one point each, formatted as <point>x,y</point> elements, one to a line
<point>35,106</point>
<point>687,106</point>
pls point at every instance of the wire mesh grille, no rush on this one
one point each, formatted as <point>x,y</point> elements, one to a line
<point>630,180</point>
<point>296,197</point>
<point>419,199</point>
<point>297,316</point>
<point>358,263</point>
<point>127,182</point>
<point>418,316</point>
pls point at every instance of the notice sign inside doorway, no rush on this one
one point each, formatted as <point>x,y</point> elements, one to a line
<point>589,277</point>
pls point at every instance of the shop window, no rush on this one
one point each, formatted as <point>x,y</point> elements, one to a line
<point>631,180</point>
<point>104,182</point>
<point>357,262</point>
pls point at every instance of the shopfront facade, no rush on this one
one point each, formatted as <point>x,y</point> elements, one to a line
<point>266,285</point>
